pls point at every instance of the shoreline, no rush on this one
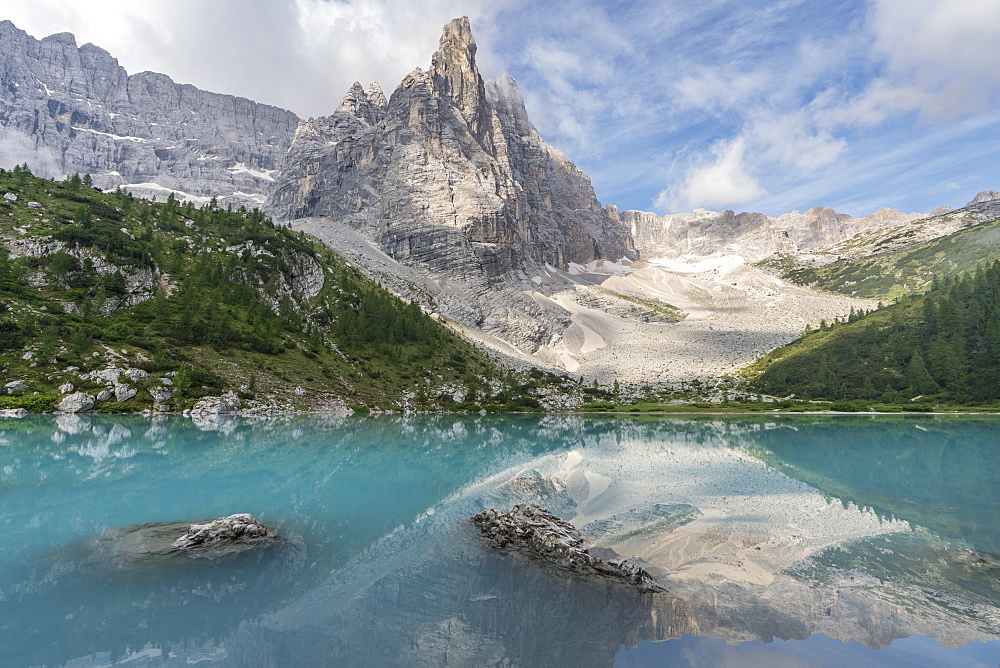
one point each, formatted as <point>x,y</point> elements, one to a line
<point>19,412</point>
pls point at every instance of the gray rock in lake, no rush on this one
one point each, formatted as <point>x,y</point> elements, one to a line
<point>538,534</point>
<point>156,544</point>
<point>241,528</point>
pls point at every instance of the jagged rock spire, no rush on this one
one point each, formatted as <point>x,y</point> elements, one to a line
<point>455,75</point>
<point>362,105</point>
<point>376,96</point>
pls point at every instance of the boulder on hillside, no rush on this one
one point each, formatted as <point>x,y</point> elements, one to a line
<point>161,398</point>
<point>137,375</point>
<point>539,535</point>
<point>16,387</point>
<point>227,403</point>
<point>124,392</point>
<point>107,376</point>
<point>79,402</point>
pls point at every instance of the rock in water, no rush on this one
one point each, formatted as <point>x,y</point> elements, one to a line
<point>538,534</point>
<point>239,528</point>
<point>236,541</point>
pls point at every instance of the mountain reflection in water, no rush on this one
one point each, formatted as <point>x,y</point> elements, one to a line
<point>856,528</point>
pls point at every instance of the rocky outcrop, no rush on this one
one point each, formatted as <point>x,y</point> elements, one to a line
<point>450,178</point>
<point>67,109</point>
<point>161,398</point>
<point>79,402</point>
<point>124,392</point>
<point>538,534</point>
<point>984,196</point>
<point>16,387</point>
<point>227,403</point>
<point>240,528</point>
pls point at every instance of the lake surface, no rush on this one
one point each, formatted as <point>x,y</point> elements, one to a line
<point>782,540</point>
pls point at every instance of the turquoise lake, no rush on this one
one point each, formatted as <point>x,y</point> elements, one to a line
<point>781,540</point>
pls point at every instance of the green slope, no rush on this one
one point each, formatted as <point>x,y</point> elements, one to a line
<point>943,346</point>
<point>888,265</point>
<point>216,299</point>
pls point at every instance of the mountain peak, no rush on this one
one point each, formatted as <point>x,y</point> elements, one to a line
<point>60,38</point>
<point>455,75</point>
<point>376,96</point>
<point>457,36</point>
<point>362,104</point>
<point>984,196</point>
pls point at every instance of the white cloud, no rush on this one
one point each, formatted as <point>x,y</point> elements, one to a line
<point>723,182</point>
<point>937,58</point>
<point>791,140</point>
<point>381,40</point>
<point>299,54</point>
<point>942,55</point>
<point>718,89</point>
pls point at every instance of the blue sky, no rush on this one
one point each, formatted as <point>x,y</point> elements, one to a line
<point>669,105</point>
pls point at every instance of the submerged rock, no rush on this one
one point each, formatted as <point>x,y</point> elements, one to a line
<point>239,528</point>
<point>538,534</point>
<point>155,545</point>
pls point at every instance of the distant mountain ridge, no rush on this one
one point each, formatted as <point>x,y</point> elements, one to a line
<point>67,109</point>
<point>754,236</point>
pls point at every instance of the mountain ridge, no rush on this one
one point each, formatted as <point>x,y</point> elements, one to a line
<point>66,109</point>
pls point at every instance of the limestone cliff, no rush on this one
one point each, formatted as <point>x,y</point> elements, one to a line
<point>449,176</point>
<point>67,109</point>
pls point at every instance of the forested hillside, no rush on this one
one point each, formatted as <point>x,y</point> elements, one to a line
<point>211,299</point>
<point>942,346</point>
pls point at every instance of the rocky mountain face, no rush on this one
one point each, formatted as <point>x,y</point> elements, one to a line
<point>751,235</point>
<point>984,196</point>
<point>67,109</point>
<point>448,175</point>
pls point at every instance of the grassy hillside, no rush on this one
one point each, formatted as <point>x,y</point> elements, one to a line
<point>890,264</point>
<point>943,346</point>
<point>213,300</point>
